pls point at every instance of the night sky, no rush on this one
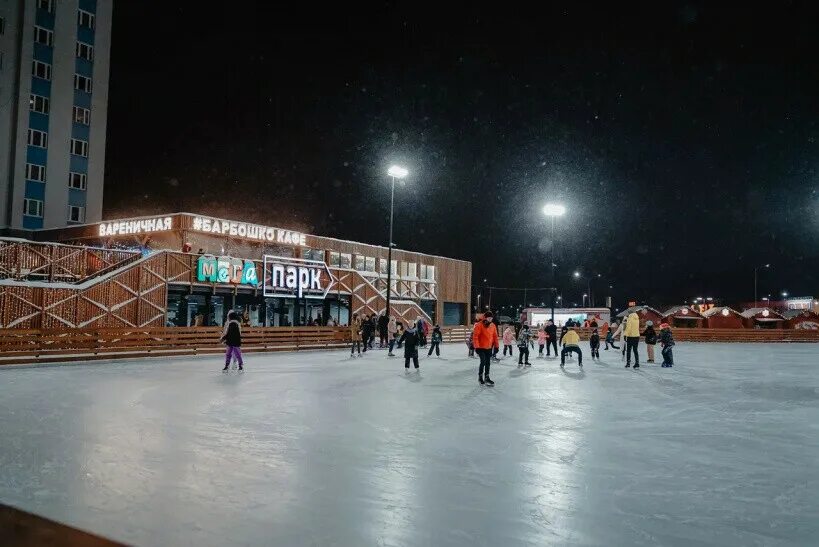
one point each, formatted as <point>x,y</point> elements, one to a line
<point>683,139</point>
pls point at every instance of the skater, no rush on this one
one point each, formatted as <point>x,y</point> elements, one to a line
<point>551,332</point>
<point>382,330</point>
<point>356,328</point>
<point>392,332</point>
<point>651,340</point>
<point>410,340</point>
<point>541,341</point>
<point>419,327</point>
<point>373,329</point>
<point>594,344</point>
<point>632,334</point>
<point>610,337</point>
<point>619,333</point>
<point>366,330</point>
<point>667,343</point>
<point>564,329</point>
<point>232,337</point>
<point>508,339</point>
<point>437,337</point>
<point>571,344</point>
<point>523,346</point>
<point>485,339</point>
<point>469,345</point>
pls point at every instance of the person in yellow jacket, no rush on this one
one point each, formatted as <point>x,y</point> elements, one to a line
<point>571,344</point>
<point>632,334</point>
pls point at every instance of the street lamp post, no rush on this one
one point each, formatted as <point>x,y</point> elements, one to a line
<point>395,172</point>
<point>553,210</point>
<point>755,277</point>
<point>588,285</point>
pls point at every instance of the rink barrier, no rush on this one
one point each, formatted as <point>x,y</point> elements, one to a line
<point>43,346</point>
<point>19,527</point>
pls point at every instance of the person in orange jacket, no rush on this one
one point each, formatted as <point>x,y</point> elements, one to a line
<point>485,339</point>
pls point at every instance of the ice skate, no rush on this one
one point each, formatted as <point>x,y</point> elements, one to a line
<point>488,381</point>
<point>628,365</point>
<point>390,354</point>
<point>227,368</point>
<point>528,364</point>
<point>241,368</point>
<point>480,379</point>
<point>636,365</point>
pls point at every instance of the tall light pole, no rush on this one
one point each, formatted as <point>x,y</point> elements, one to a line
<point>588,285</point>
<point>395,172</point>
<point>553,210</point>
<point>755,276</point>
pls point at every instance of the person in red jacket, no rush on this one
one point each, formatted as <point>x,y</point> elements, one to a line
<point>485,339</point>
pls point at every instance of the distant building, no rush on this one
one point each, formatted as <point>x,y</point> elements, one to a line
<point>53,107</point>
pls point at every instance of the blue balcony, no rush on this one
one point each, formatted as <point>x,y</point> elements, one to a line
<point>35,189</point>
<point>36,155</point>
<point>41,87</point>
<point>83,99</point>
<point>76,197</point>
<point>32,223</point>
<point>37,120</point>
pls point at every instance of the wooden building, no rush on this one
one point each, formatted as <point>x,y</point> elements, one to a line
<point>801,319</point>
<point>683,316</point>
<point>762,318</point>
<point>165,270</point>
<point>723,317</point>
<point>645,313</point>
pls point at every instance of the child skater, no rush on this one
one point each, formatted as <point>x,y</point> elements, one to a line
<point>355,335</point>
<point>523,346</point>
<point>667,342</point>
<point>610,337</point>
<point>651,340</point>
<point>508,340</point>
<point>410,339</point>
<point>469,344</point>
<point>232,336</point>
<point>594,344</point>
<point>541,341</point>
<point>436,341</point>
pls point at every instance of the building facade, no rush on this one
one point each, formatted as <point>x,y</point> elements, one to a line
<point>54,65</point>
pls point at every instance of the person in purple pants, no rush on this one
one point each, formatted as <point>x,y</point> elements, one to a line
<point>232,336</point>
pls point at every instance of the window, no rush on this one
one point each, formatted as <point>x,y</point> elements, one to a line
<point>35,172</point>
<point>85,19</point>
<point>427,272</point>
<point>82,83</point>
<point>38,138</point>
<point>46,5</point>
<point>382,266</point>
<point>394,267</point>
<point>77,181</point>
<point>360,263</point>
<point>82,115</point>
<point>346,260</point>
<point>38,104</point>
<point>41,70</point>
<point>369,263</point>
<point>33,207</point>
<point>43,36</point>
<point>79,148</point>
<point>335,259</point>
<point>76,213</point>
<point>412,269</point>
<point>84,51</point>
<point>313,254</point>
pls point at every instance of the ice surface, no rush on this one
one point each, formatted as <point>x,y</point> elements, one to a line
<point>316,449</point>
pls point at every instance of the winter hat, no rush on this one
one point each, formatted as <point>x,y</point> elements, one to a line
<point>649,323</point>
<point>488,314</point>
<point>664,326</point>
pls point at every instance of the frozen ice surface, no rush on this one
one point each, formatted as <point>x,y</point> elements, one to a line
<point>316,449</point>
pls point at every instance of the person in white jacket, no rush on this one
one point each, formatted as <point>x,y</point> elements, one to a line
<point>619,336</point>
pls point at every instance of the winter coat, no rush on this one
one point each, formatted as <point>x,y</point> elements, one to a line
<point>551,331</point>
<point>382,323</point>
<point>484,336</point>
<point>469,341</point>
<point>232,335</point>
<point>541,337</point>
<point>651,336</point>
<point>366,327</point>
<point>508,336</point>
<point>571,338</point>
<point>523,338</point>
<point>594,340</point>
<point>666,338</point>
<point>437,337</point>
<point>609,336</point>
<point>355,330</point>
<point>563,332</point>
<point>632,326</point>
<point>426,328</point>
<point>410,341</point>
<point>619,331</point>
<point>392,327</point>
<point>419,325</point>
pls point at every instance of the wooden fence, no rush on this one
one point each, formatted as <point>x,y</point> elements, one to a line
<point>35,346</point>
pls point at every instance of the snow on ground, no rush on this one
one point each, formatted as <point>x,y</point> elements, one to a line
<point>316,449</point>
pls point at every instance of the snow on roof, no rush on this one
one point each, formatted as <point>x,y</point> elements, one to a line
<point>754,311</point>
<point>718,309</point>
<point>675,309</point>
<point>790,314</point>
<point>635,309</point>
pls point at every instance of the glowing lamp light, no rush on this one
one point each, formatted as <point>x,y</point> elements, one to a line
<point>765,313</point>
<point>397,172</point>
<point>577,274</point>
<point>725,312</point>
<point>685,311</point>
<point>554,210</point>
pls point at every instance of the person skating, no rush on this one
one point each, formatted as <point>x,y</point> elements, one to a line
<point>523,345</point>
<point>610,337</point>
<point>651,340</point>
<point>571,344</point>
<point>667,343</point>
<point>410,340</point>
<point>469,345</point>
<point>541,341</point>
<point>356,335</point>
<point>232,337</point>
<point>373,329</point>
<point>594,344</point>
<point>551,343</point>
<point>366,330</point>
<point>435,344</point>
<point>485,339</point>
<point>508,340</point>
<point>619,333</point>
<point>632,334</point>
<point>419,327</point>
<point>392,332</point>
<point>383,321</point>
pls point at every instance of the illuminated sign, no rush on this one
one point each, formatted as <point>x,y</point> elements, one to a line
<point>799,302</point>
<point>725,312</point>
<point>248,231</point>
<point>226,270</point>
<point>296,277</point>
<point>141,226</point>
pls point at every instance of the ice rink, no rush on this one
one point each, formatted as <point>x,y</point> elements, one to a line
<point>316,449</point>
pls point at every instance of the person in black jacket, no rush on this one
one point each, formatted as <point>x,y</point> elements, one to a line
<point>551,332</point>
<point>410,340</point>
<point>651,340</point>
<point>232,336</point>
<point>594,343</point>
<point>366,331</point>
<point>383,321</point>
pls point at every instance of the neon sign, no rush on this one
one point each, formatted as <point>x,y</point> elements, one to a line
<point>245,230</point>
<point>296,277</point>
<point>141,226</point>
<point>226,270</point>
